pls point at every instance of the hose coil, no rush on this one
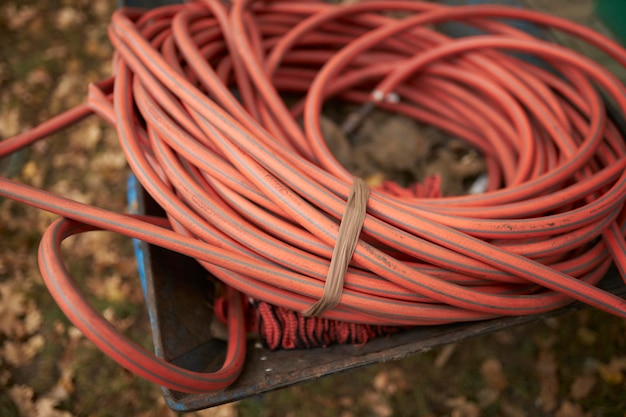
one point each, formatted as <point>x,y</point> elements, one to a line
<point>257,198</point>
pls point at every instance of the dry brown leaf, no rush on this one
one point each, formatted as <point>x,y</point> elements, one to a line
<point>347,402</point>
<point>378,404</point>
<point>29,170</point>
<point>64,386</point>
<point>586,336</point>
<point>107,163</point>
<point>462,407</point>
<point>68,17</point>
<point>39,77</point>
<point>74,334</point>
<point>546,369</point>
<point>18,318</point>
<point>32,319</point>
<point>111,289</point>
<point>69,85</point>
<point>122,324</point>
<point>69,190</point>
<point>4,74</point>
<point>9,122</point>
<point>487,396</point>
<point>46,407</point>
<point>18,17</point>
<point>613,372</point>
<point>22,397</point>
<point>5,376</point>
<point>55,52</point>
<point>104,258</point>
<point>87,136</point>
<point>511,410</point>
<point>43,218</point>
<point>444,356</point>
<point>101,9</point>
<point>491,370</point>
<point>569,409</point>
<point>390,381</point>
<point>19,354</point>
<point>380,381</point>
<point>582,386</point>
<point>12,306</point>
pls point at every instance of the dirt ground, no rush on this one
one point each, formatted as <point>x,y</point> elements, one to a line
<point>573,365</point>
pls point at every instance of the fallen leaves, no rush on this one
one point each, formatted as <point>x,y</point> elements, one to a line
<point>19,317</point>
<point>462,407</point>
<point>69,91</point>
<point>29,406</point>
<point>546,370</point>
<point>11,308</point>
<point>86,136</point>
<point>32,174</point>
<point>19,354</point>
<point>39,77</point>
<point>46,407</point>
<point>491,370</point>
<point>495,381</point>
<point>613,372</point>
<point>9,122</point>
<point>586,336</point>
<point>444,355</point>
<point>18,16</point>
<point>387,383</point>
<point>377,403</point>
<point>569,409</point>
<point>68,17</point>
<point>51,78</point>
<point>22,397</point>
<point>109,163</point>
<point>391,381</point>
<point>111,289</point>
<point>582,386</point>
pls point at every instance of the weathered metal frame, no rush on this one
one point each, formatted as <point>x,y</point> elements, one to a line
<point>179,295</point>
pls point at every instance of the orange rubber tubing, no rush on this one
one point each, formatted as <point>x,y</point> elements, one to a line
<point>256,196</point>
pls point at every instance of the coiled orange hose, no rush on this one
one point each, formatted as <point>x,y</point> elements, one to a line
<point>257,198</point>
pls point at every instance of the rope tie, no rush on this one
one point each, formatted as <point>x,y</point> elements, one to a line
<point>347,238</point>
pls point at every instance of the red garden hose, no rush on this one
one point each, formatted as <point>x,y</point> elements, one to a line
<point>257,198</point>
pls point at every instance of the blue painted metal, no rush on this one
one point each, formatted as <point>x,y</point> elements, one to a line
<point>132,197</point>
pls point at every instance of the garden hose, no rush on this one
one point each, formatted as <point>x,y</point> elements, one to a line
<point>252,192</point>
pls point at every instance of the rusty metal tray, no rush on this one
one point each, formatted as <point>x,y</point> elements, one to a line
<point>179,295</point>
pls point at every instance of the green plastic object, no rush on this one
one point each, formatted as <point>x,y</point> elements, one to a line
<point>613,14</point>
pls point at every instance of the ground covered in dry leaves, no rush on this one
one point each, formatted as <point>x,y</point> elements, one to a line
<point>570,366</point>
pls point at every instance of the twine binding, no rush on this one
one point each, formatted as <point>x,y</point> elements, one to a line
<point>347,238</point>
